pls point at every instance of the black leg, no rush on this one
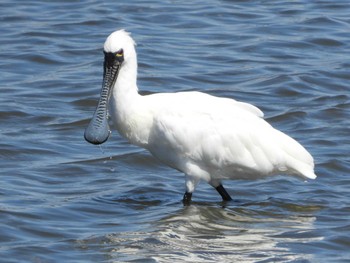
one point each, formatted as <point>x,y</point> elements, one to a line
<point>225,196</point>
<point>187,198</point>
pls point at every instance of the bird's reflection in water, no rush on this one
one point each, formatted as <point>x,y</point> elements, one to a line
<point>207,233</point>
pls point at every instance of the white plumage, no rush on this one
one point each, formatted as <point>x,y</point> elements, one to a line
<point>208,138</point>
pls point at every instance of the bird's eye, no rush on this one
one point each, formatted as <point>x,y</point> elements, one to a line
<point>119,53</point>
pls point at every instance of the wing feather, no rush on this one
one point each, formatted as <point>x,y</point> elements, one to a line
<point>226,138</point>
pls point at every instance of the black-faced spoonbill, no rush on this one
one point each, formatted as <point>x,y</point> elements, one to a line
<point>207,138</point>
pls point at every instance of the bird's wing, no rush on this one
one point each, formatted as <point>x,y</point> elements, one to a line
<point>222,136</point>
<point>215,134</point>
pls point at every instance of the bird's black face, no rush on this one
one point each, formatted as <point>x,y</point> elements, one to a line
<point>98,130</point>
<point>112,58</point>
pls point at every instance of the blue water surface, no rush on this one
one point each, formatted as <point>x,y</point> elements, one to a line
<point>64,200</point>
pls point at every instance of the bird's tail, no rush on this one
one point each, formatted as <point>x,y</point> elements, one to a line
<point>298,160</point>
<point>305,170</point>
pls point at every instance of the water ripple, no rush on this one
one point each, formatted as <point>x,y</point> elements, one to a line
<point>63,200</point>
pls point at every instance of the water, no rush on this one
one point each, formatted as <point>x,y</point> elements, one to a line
<point>64,200</point>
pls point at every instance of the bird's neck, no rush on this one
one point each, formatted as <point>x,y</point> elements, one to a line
<point>125,88</point>
<point>124,97</point>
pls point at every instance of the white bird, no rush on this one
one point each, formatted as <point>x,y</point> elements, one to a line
<point>207,138</point>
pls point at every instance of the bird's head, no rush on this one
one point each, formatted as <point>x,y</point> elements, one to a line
<point>120,42</point>
<point>118,51</point>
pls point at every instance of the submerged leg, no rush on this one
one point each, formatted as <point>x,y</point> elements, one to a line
<point>187,198</point>
<point>191,183</point>
<point>225,196</point>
